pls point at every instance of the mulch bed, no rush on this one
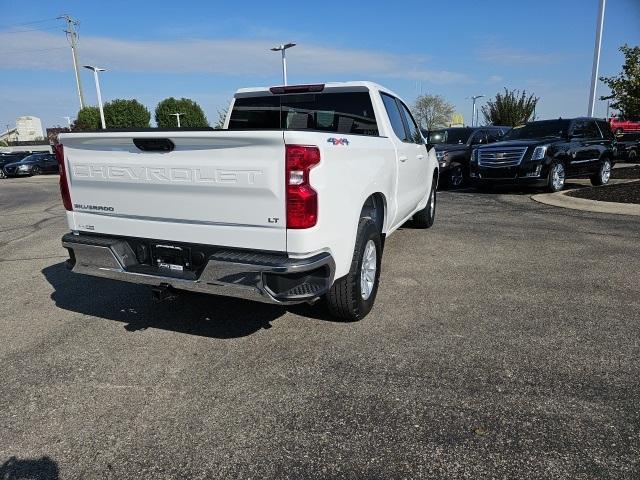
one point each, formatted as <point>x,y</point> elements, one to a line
<point>621,192</point>
<point>626,172</point>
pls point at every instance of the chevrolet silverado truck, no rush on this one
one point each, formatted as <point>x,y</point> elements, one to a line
<point>291,202</point>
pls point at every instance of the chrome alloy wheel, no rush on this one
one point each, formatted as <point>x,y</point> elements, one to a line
<point>557,176</point>
<point>368,270</point>
<point>605,171</point>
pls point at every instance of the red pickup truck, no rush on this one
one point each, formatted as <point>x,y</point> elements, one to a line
<point>619,126</point>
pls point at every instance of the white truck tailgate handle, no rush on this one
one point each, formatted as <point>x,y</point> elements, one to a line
<point>420,157</point>
<point>402,159</point>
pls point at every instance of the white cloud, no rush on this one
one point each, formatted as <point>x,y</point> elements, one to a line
<point>493,79</point>
<point>222,57</point>
<point>509,56</point>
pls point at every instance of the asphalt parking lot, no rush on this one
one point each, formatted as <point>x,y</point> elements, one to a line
<point>505,343</point>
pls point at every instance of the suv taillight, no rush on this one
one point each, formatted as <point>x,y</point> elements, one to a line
<point>302,200</point>
<point>64,185</point>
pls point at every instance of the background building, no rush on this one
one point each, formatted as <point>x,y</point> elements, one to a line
<point>29,129</point>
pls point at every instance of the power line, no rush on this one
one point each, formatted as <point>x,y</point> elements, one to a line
<point>33,22</point>
<point>34,51</point>
<point>30,30</point>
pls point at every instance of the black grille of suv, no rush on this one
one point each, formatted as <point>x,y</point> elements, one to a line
<point>9,170</point>
<point>502,157</point>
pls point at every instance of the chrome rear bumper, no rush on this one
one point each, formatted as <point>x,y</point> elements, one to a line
<point>265,277</point>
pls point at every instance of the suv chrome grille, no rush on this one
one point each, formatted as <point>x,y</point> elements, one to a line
<point>502,157</point>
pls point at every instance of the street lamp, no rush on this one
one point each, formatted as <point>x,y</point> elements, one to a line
<point>596,58</point>
<point>95,76</point>
<point>177,115</point>
<point>473,115</point>
<point>282,48</point>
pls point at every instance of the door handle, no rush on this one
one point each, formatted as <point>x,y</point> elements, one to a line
<point>420,157</point>
<point>402,158</point>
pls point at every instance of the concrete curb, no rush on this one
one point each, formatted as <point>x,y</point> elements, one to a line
<point>561,199</point>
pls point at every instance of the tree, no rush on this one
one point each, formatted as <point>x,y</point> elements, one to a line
<point>625,88</point>
<point>222,115</point>
<point>192,114</point>
<point>88,119</point>
<point>432,111</point>
<point>121,113</point>
<point>510,109</point>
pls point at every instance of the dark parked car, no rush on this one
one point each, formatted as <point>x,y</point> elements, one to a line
<point>628,146</point>
<point>454,147</point>
<point>6,158</point>
<point>546,153</point>
<point>34,164</point>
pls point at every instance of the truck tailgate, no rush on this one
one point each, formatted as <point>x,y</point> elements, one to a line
<point>215,187</point>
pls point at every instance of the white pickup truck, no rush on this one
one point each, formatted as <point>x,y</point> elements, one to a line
<point>289,203</point>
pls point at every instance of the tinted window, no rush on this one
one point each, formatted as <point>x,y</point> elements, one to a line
<point>395,117</point>
<point>605,128</point>
<point>414,131</point>
<point>479,137</point>
<point>585,128</point>
<point>541,129</point>
<point>435,136</point>
<point>457,135</point>
<point>494,135</point>
<point>348,112</point>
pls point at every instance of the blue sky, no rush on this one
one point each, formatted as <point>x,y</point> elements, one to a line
<point>205,50</point>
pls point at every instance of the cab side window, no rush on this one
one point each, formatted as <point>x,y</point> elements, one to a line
<point>415,135</point>
<point>395,117</point>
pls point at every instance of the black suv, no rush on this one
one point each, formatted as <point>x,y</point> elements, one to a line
<point>547,152</point>
<point>454,147</point>
<point>628,146</point>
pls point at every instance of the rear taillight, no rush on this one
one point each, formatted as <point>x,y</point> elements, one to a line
<point>302,200</point>
<point>64,185</point>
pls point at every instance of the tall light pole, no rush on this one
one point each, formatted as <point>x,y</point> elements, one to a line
<point>95,76</point>
<point>72,36</point>
<point>282,48</point>
<point>596,58</point>
<point>177,115</point>
<point>473,114</point>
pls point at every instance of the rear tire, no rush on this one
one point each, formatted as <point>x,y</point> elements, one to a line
<point>633,156</point>
<point>351,297</point>
<point>2,174</point>
<point>603,175</point>
<point>426,217</point>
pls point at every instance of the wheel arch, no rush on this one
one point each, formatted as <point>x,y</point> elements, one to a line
<point>375,208</point>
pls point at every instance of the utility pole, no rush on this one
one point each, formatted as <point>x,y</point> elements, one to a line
<point>177,115</point>
<point>72,36</point>
<point>596,58</point>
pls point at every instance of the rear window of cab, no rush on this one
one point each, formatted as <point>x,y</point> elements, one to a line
<point>342,112</point>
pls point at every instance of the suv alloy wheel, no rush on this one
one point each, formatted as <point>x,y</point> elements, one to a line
<point>603,175</point>
<point>557,176</point>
